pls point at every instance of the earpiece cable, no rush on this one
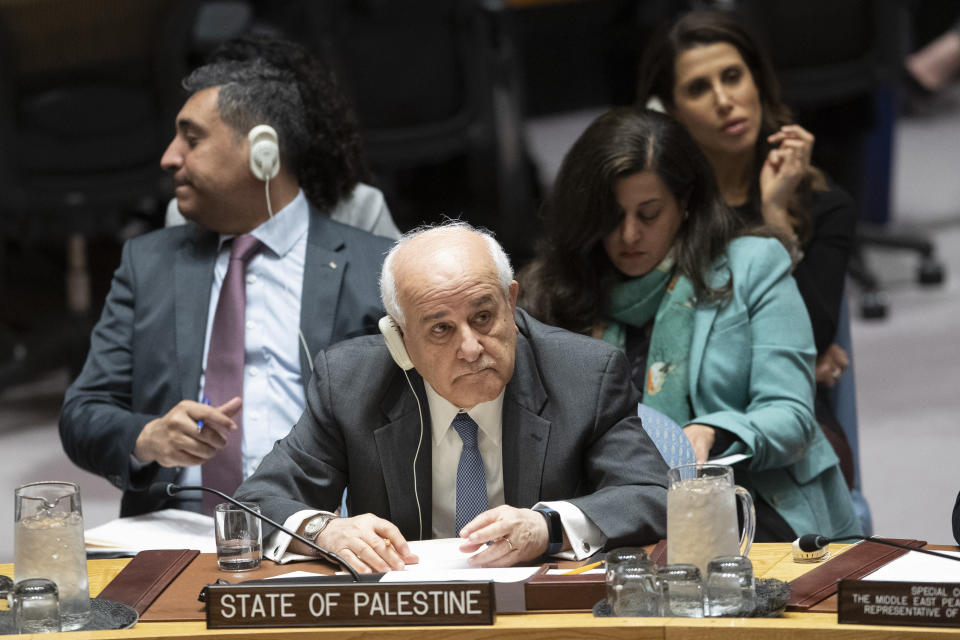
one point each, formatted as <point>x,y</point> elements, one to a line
<point>266,187</point>
<point>416,495</point>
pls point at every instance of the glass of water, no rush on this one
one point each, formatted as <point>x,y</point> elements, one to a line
<point>730,589</point>
<point>35,606</point>
<point>626,557</point>
<point>48,543</point>
<point>238,537</point>
<point>636,590</point>
<point>682,591</point>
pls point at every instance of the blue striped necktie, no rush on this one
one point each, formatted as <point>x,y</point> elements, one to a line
<point>471,477</point>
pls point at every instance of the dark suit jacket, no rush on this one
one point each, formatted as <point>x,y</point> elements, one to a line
<point>570,432</point>
<point>146,350</point>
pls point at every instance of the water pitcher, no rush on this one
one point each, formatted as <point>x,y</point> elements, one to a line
<point>702,515</point>
<point>48,543</point>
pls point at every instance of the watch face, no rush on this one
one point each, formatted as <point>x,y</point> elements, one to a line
<point>315,525</point>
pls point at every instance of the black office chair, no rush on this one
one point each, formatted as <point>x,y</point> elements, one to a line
<point>88,93</point>
<point>835,61</point>
<point>434,86</point>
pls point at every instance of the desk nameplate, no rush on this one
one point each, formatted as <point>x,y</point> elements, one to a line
<point>349,604</point>
<point>926,604</point>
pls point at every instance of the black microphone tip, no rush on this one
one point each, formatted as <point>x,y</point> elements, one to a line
<point>812,542</point>
<point>162,490</point>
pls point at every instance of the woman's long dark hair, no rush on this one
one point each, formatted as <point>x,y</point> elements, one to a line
<point>658,79</point>
<point>568,282</point>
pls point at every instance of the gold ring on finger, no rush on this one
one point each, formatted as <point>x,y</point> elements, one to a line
<point>507,540</point>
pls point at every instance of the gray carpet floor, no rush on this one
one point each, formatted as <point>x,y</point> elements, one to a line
<point>907,371</point>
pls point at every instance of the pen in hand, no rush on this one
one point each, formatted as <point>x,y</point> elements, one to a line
<point>204,400</point>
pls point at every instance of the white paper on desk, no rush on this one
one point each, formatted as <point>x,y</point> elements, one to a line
<point>919,567</point>
<point>733,458</point>
<point>302,574</point>
<point>442,561</point>
<point>507,574</point>
<point>166,529</point>
<point>443,553</point>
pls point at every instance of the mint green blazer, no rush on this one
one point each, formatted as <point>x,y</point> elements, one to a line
<point>751,373</point>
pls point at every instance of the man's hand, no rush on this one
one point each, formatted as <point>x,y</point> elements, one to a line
<point>368,543</point>
<point>515,535</point>
<point>831,365</point>
<point>702,438</point>
<point>174,439</point>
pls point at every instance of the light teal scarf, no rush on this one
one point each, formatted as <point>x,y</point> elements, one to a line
<point>668,298</point>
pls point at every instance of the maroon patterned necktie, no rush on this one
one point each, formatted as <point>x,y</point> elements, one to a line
<point>224,374</point>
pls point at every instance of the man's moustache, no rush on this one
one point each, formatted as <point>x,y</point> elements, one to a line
<point>477,367</point>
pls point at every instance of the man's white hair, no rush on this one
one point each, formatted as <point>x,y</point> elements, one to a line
<point>388,285</point>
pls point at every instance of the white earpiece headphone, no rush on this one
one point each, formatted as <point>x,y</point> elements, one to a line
<point>264,152</point>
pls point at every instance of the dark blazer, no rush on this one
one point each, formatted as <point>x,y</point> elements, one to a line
<point>570,432</point>
<point>146,350</point>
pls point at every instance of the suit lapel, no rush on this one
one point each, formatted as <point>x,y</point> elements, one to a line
<point>703,319</point>
<point>193,275</point>
<point>397,447</point>
<point>323,271</point>
<point>525,432</point>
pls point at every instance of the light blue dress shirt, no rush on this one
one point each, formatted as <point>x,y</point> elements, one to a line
<point>273,396</point>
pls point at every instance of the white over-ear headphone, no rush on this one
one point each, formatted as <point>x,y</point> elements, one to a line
<point>264,152</point>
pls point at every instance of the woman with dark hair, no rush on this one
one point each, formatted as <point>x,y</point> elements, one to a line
<point>640,251</point>
<point>711,75</point>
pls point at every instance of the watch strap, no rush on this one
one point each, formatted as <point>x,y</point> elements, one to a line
<point>554,530</point>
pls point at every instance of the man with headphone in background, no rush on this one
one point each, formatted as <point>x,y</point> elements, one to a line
<point>202,355</point>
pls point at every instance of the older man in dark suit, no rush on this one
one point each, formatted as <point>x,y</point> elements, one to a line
<point>515,436</point>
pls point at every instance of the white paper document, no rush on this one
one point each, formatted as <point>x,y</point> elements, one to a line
<point>733,458</point>
<point>919,567</point>
<point>443,553</point>
<point>166,529</point>
<point>442,561</point>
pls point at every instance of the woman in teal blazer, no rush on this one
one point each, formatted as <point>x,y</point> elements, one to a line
<point>640,251</point>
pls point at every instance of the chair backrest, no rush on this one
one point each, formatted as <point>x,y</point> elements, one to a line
<point>824,51</point>
<point>670,439</point>
<point>89,91</point>
<point>436,92</point>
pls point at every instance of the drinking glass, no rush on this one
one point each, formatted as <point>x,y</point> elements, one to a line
<point>624,556</point>
<point>702,515</point>
<point>48,543</point>
<point>729,586</point>
<point>636,590</point>
<point>239,537</point>
<point>35,606</point>
<point>682,591</point>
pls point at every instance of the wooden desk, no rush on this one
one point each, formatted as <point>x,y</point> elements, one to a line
<point>769,560</point>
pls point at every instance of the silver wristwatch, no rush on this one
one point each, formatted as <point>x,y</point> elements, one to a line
<point>316,525</point>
